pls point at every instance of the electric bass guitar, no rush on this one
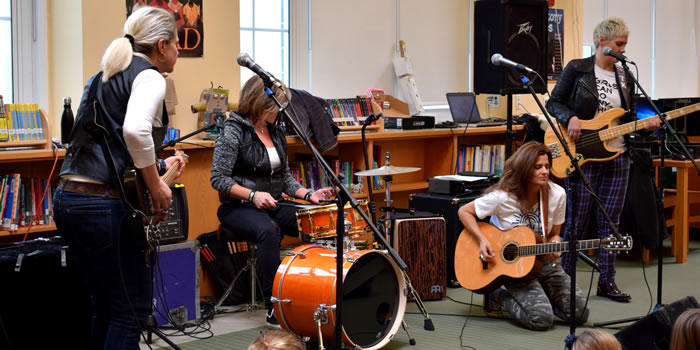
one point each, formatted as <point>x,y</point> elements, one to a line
<point>592,145</point>
<point>137,193</point>
<point>516,251</point>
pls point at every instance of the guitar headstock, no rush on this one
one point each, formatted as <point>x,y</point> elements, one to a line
<point>612,243</point>
<point>181,153</point>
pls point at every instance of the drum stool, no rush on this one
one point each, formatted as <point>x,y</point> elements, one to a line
<point>237,245</point>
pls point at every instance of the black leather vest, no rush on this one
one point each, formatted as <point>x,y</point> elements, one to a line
<point>86,154</point>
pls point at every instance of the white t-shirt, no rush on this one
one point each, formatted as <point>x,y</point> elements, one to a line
<point>506,213</point>
<point>608,97</point>
<point>275,161</point>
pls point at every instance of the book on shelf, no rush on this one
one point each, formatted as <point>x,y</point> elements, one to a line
<point>349,111</point>
<point>23,203</point>
<point>20,122</point>
<point>481,158</point>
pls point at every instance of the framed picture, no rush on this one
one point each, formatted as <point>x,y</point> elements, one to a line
<point>555,41</point>
<point>188,19</point>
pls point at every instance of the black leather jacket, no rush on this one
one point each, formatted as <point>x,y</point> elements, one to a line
<point>576,94</point>
<point>85,156</point>
<point>241,158</point>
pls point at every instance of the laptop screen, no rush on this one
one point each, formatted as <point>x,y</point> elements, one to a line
<point>463,107</point>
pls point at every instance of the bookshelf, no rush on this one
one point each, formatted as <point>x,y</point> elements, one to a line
<point>32,160</point>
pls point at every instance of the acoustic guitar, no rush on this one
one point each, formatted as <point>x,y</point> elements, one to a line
<point>592,145</point>
<point>137,193</point>
<point>516,251</point>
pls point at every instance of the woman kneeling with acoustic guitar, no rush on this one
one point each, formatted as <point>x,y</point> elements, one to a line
<point>517,200</point>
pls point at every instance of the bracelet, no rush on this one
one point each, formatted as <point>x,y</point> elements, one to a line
<point>307,196</point>
<point>251,196</point>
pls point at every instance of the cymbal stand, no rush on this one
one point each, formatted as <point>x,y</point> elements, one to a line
<point>427,323</point>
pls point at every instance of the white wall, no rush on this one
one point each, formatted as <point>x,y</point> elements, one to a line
<point>353,42</point>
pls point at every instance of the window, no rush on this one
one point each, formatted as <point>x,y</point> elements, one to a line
<point>265,36</point>
<point>6,51</point>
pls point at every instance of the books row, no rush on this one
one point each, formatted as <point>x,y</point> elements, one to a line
<point>20,122</point>
<point>310,174</point>
<point>482,158</point>
<point>349,111</point>
<point>21,203</point>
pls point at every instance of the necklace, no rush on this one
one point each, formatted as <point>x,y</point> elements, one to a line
<point>262,130</point>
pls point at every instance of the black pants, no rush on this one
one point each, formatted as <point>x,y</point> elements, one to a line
<point>265,227</point>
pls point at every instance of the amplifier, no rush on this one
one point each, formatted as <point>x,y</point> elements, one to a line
<point>415,122</point>
<point>176,283</point>
<point>421,244</point>
<point>175,227</point>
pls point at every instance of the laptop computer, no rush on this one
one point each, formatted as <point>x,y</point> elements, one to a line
<point>465,112</point>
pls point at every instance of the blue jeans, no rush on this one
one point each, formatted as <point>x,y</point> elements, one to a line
<point>109,246</point>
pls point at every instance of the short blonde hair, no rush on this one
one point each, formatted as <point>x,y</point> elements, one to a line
<point>686,331</point>
<point>276,340</point>
<point>147,26</point>
<point>596,340</point>
<point>253,103</point>
<point>610,28</point>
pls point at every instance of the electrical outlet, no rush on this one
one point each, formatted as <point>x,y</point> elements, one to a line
<point>494,101</point>
<point>517,102</point>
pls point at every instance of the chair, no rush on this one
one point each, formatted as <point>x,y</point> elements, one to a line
<point>678,239</point>
<point>236,245</point>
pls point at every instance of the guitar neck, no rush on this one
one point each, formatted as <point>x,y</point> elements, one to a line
<point>627,128</point>
<point>558,247</point>
<point>169,175</point>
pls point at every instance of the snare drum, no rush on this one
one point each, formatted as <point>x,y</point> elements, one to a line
<point>320,222</point>
<point>373,295</point>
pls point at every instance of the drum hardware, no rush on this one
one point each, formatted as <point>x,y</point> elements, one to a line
<point>292,253</point>
<point>388,171</point>
<point>283,301</point>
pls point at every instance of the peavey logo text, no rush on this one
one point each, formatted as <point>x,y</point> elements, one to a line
<point>524,28</point>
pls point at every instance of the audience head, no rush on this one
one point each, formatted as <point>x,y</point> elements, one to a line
<point>593,339</point>
<point>686,331</point>
<point>254,104</point>
<point>276,340</point>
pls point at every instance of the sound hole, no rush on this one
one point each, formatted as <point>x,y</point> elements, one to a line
<point>510,252</point>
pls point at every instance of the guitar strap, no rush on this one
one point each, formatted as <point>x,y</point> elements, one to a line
<point>544,211</point>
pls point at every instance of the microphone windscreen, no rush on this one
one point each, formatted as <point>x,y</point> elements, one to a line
<point>243,59</point>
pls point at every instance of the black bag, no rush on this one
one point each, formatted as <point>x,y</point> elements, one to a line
<point>223,267</point>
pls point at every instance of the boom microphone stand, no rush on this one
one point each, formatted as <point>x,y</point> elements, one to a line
<point>344,196</point>
<point>666,129</point>
<point>587,185</point>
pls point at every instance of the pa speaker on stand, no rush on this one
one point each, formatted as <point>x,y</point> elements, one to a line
<point>517,29</point>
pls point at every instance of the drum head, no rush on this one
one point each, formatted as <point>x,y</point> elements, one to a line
<point>371,299</point>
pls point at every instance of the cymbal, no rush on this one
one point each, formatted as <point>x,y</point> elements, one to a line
<point>387,170</point>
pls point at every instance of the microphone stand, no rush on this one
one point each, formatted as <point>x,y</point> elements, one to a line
<point>343,196</point>
<point>370,206</point>
<point>578,173</point>
<point>666,128</point>
<point>219,118</point>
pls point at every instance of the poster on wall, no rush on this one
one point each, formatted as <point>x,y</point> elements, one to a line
<point>188,19</point>
<point>555,41</point>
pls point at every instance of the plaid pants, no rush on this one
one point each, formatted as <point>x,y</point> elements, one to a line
<point>609,181</point>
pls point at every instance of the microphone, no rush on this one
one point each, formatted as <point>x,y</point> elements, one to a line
<point>498,60</point>
<point>245,61</point>
<point>620,57</point>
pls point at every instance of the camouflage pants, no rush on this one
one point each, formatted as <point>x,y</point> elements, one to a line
<point>533,303</point>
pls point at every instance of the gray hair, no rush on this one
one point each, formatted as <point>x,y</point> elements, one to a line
<point>146,25</point>
<point>610,28</point>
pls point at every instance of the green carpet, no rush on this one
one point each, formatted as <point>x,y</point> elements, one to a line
<point>480,332</point>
